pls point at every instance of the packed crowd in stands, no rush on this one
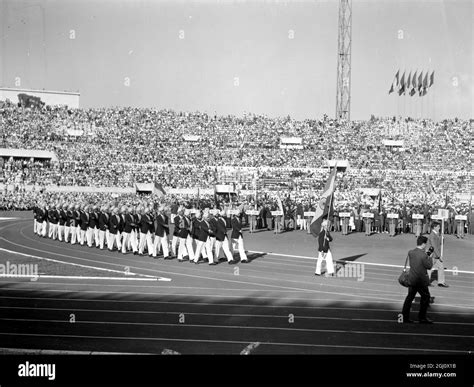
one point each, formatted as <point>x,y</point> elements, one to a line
<point>118,147</point>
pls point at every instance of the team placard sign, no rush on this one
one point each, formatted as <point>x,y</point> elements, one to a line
<point>367,215</point>
<point>309,214</point>
<point>417,216</point>
<point>252,212</point>
<point>392,216</point>
<point>345,214</point>
<point>277,213</point>
<point>460,217</point>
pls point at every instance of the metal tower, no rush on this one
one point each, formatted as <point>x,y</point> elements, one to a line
<point>344,43</point>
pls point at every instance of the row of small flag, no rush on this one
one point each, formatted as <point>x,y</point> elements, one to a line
<point>412,84</point>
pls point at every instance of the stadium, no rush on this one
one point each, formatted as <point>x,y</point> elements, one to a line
<point>174,227</point>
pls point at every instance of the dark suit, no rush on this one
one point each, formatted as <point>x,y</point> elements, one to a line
<point>161,225</point>
<point>103,221</point>
<point>419,281</point>
<point>323,241</point>
<point>84,220</point>
<point>221,229</point>
<point>114,223</point>
<point>128,223</point>
<point>236,227</point>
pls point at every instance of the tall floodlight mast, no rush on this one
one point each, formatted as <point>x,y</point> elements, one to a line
<point>344,43</point>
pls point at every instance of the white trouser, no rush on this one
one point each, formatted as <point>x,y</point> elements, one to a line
<point>240,245</point>
<point>329,264</point>
<point>174,244</point>
<point>73,230</point>
<point>102,238</point>
<point>78,234</point>
<point>163,242</point>
<point>182,250</point>
<point>89,236</point>
<point>202,247</point>
<point>43,228</point>
<point>67,230</point>
<point>82,236</point>
<point>211,242</point>
<point>189,247</point>
<point>35,226</point>
<point>128,242</point>
<point>60,232</point>
<point>134,239</point>
<point>146,238</point>
<point>114,238</point>
<point>225,246</point>
<point>53,230</point>
<point>96,236</point>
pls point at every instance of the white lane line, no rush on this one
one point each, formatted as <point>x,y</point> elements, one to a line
<point>292,306</point>
<point>84,266</point>
<point>382,300</point>
<point>241,327</point>
<point>356,262</point>
<point>76,277</point>
<point>411,349</point>
<point>214,314</point>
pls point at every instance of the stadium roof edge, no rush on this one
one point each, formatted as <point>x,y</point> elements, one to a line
<point>40,91</point>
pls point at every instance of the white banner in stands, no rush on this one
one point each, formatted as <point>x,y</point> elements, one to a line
<point>460,217</point>
<point>252,212</point>
<point>417,216</point>
<point>345,214</point>
<point>277,213</point>
<point>392,216</point>
<point>367,215</point>
<point>309,213</point>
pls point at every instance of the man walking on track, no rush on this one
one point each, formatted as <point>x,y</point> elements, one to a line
<point>419,280</point>
<point>323,251</point>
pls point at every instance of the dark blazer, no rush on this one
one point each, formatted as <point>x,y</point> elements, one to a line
<point>143,223</point>
<point>176,225</point>
<point>77,218</point>
<point>93,219</point>
<point>182,224</point>
<point>212,227</point>
<point>42,215</point>
<point>221,229</point>
<point>204,227</point>
<point>122,222</point>
<point>151,223</point>
<point>114,223</point>
<point>236,227</point>
<point>196,228</point>
<point>323,240</point>
<point>62,217</point>
<point>419,263</point>
<point>161,225</point>
<point>84,220</point>
<point>136,221</point>
<point>103,221</point>
<point>128,223</point>
<point>69,219</point>
<point>53,216</point>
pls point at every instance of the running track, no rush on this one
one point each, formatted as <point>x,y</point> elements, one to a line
<point>274,300</point>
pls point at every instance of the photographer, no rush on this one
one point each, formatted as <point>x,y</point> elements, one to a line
<point>420,261</point>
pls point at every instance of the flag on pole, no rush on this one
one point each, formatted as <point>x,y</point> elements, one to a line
<point>401,90</point>
<point>380,201</point>
<point>420,83</point>
<point>413,84</point>
<point>323,207</point>
<point>431,79</point>
<point>425,85</point>
<point>408,84</point>
<point>395,82</point>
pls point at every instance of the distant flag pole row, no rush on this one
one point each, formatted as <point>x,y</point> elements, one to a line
<point>412,84</point>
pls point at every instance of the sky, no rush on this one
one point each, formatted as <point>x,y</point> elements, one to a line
<point>234,57</point>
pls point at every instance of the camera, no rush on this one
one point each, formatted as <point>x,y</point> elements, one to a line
<point>430,251</point>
